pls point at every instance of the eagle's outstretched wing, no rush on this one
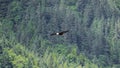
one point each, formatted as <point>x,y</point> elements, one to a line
<point>61,33</point>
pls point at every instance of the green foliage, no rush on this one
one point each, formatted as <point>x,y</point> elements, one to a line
<point>17,56</point>
<point>70,2</point>
<point>72,7</point>
<point>54,59</point>
<point>92,41</point>
<point>117,4</point>
<point>15,11</point>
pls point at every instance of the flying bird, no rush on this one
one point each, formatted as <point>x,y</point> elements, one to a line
<point>59,33</point>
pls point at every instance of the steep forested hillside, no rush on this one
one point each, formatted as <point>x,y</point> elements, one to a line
<point>93,40</point>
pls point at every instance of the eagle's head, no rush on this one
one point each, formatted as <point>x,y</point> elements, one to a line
<point>57,33</point>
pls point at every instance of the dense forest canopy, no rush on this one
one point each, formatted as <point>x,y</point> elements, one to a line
<point>93,40</point>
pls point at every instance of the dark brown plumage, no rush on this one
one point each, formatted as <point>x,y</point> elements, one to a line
<point>59,33</point>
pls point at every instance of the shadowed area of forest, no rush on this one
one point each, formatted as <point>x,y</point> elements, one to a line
<point>93,40</point>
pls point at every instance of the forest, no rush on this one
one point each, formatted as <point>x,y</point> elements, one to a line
<point>93,40</point>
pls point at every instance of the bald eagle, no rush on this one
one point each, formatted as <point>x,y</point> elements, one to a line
<point>59,33</point>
